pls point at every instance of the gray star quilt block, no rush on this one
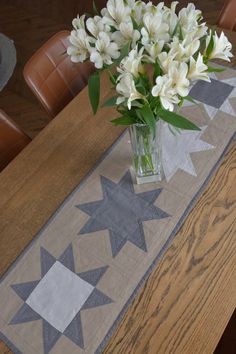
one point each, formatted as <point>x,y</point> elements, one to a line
<point>59,297</point>
<point>212,93</point>
<point>122,211</point>
<point>215,96</point>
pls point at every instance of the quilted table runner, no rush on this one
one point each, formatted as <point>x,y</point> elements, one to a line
<point>68,290</point>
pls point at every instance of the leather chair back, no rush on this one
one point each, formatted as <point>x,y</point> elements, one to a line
<point>227,18</point>
<point>12,140</point>
<point>51,75</point>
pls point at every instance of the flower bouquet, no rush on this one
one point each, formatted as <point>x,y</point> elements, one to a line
<point>151,54</point>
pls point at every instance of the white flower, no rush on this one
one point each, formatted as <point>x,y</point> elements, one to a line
<point>152,9</point>
<point>126,88</point>
<point>188,18</point>
<point>80,49</point>
<point>182,51</point>
<point>222,47</point>
<point>200,31</point>
<point>170,17</point>
<point>177,73</point>
<point>126,33</point>
<point>154,29</point>
<point>104,51</point>
<point>197,69</point>
<point>165,91</point>
<point>132,63</point>
<point>118,11</point>
<point>138,11</point>
<point>190,47</point>
<point>95,25</point>
<point>177,49</point>
<point>154,50</point>
<point>78,22</point>
<point>165,59</point>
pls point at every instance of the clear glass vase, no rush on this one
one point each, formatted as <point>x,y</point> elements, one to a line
<point>146,150</point>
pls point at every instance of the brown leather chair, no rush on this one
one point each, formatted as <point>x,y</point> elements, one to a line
<point>12,140</point>
<point>227,18</point>
<point>51,75</point>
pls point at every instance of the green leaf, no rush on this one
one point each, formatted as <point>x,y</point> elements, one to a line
<point>95,10</point>
<point>135,25</point>
<point>190,99</point>
<point>124,120</point>
<point>157,71</point>
<point>176,120</point>
<point>110,102</point>
<point>94,90</point>
<point>181,37</point>
<point>113,29</point>
<point>210,46</point>
<point>215,70</point>
<point>124,51</point>
<point>149,117</point>
<point>141,89</point>
<point>175,29</point>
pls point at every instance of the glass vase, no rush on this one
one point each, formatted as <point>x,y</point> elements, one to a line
<point>146,151</point>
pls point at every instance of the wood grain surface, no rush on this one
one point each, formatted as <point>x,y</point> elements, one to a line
<point>189,297</point>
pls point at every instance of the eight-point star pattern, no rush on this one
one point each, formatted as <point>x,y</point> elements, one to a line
<point>59,297</point>
<point>183,144</point>
<point>215,95</point>
<point>122,211</point>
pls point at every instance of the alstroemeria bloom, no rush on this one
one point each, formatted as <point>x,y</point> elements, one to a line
<point>126,33</point>
<point>79,22</point>
<point>154,29</point>
<point>126,88</point>
<point>188,18</point>
<point>154,50</point>
<point>104,51</point>
<point>185,49</point>
<point>138,11</point>
<point>95,25</point>
<point>132,64</point>
<point>178,74</point>
<point>118,11</point>
<point>197,69</point>
<point>164,90</point>
<point>222,47</point>
<point>165,59</point>
<point>79,51</point>
<point>170,17</point>
<point>190,47</point>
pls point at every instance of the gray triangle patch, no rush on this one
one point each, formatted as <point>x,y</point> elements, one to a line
<point>25,314</point>
<point>67,258</point>
<point>107,186</point>
<point>150,196</point>
<point>75,332</point>
<point>97,298</point>
<point>47,261</point>
<point>50,336</point>
<point>92,225</point>
<point>138,238</point>
<point>126,182</point>
<point>23,290</point>
<point>93,276</point>
<point>117,242</point>
<point>89,208</point>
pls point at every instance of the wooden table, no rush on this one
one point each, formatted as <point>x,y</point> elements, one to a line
<point>194,284</point>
